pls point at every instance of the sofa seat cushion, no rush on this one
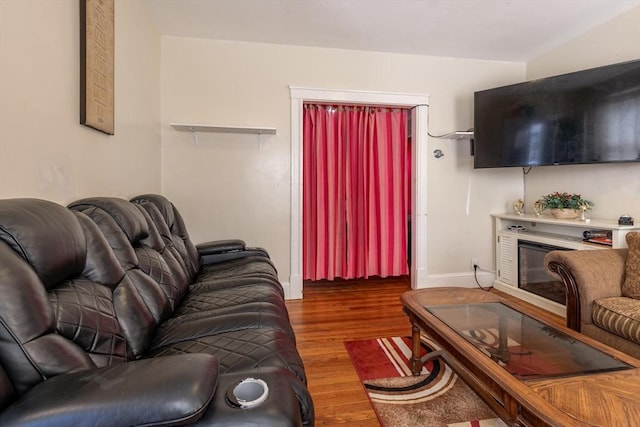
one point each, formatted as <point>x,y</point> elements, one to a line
<point>226,298</point>
<point>196,326</point>
<point>631,285</point>
<point>259,308</point>
<point>251,266</point>
<point>239,350</point>
<point>233,283</point>
<point>618,315</point>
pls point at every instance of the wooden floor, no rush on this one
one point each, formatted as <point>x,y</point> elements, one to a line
<point>334,312</point>
<point>327,316</point>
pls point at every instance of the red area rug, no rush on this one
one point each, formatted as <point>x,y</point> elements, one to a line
<point>436,397</point>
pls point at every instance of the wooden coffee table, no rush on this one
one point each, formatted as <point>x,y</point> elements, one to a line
<point>530,372</point>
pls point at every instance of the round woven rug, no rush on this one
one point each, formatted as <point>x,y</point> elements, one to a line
<point>443,400</point>
<point>436,398</point>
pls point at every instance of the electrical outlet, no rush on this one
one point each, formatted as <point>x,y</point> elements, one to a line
<point>474,263</point>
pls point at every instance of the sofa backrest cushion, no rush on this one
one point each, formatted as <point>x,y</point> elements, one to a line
<point>56,305</point>
<point>171,226</point>
<point>126,230</point>
<point>162,263</point>
<point>145,252</point>
<point>137,301</point>
<point>30,348</point>
<point>631,285</point>
<point>25,237</point>
<point>173,243</point>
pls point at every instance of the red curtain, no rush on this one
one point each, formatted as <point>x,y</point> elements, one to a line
<point>356,192</point>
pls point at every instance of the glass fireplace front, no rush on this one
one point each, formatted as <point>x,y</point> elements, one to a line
<point>533,276</point>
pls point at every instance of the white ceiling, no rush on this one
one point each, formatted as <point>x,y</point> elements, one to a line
<point>505,30</point>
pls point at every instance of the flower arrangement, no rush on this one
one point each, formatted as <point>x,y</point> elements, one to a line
<point>566,201</point>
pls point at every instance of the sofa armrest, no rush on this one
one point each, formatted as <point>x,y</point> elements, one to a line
<point>220,246</point>
<point>161,391</point>
<point>224,250</point>
<point>588,275</point>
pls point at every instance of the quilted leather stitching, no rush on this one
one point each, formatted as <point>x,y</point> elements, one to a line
<point>249,266</point>
<point>152,263</point>
<point>228,297</point>
<point>85,314</point>
<point>243,349</point>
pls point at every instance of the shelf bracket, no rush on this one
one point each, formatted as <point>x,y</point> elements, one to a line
<point>194,133</point>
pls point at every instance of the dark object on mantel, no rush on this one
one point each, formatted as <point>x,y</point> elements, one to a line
<point>625,220</point>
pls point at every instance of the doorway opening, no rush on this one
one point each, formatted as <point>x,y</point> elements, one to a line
<point>418,103</point>
<point>356,191</point>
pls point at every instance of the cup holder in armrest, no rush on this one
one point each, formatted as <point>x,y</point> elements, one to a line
<point>247,393</point>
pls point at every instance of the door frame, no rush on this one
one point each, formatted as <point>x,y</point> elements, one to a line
<point>419,103</point>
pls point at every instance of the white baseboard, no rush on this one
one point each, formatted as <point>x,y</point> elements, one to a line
<point>289,293</point>
<point>461,280</point>
<point>293,288</point>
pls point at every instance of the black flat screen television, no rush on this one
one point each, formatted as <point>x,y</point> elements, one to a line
<point>590,116</point>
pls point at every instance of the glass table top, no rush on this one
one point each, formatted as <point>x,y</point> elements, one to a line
<point>522,345</point>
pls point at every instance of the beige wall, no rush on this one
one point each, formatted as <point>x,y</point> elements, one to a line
<point>229,186</point>
<point>615,189</point>
<point>46,153</point>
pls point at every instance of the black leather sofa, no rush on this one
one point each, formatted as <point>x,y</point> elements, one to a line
<point>110,315</point>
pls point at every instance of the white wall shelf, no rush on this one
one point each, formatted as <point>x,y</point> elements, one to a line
<point>455,135</point>
<point>195,128</point>
<point>224,129</point>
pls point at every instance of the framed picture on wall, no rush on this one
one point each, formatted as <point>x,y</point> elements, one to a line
<point>97,64</point>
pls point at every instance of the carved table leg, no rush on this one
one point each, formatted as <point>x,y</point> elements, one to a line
<point>416,363</point>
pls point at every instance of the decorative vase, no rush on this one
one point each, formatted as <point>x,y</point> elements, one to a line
<point>518,207</point>
<point>565,213</point>
<point>538,207</point>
